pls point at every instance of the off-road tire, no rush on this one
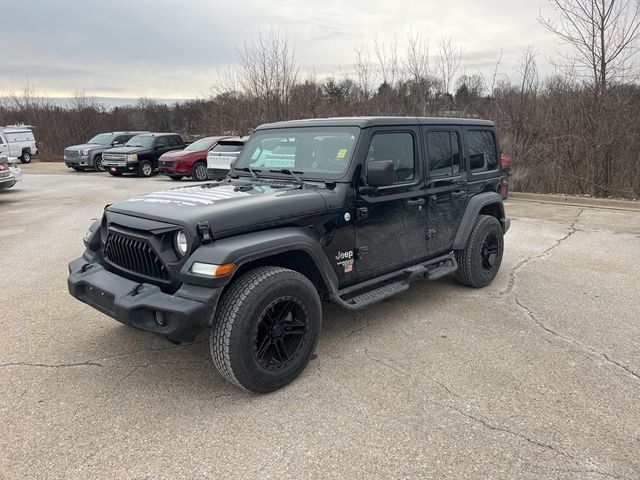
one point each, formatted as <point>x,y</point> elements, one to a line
<point>472,269</point>
<point>199,172</point>
<point>234,331</point>
<point>145,169</point>
<point>97,162</point>
<point>26,157</point>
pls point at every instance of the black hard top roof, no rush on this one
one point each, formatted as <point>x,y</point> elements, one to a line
<point>364,122</point>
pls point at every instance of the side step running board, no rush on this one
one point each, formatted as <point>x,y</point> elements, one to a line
<point>380,288</point>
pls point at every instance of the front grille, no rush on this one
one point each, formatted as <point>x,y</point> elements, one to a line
<point>71,153</point>
<point>113,158</point>
<point>134,255</point>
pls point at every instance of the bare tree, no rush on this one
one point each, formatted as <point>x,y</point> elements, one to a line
<point>448,62</point>
<point>602,34</point>
<point>417,61</point>
<point>387,58</point>
<point>268,71</point>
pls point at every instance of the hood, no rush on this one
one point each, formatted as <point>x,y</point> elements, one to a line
<point>178,154</point>
<point>226,207</point>
<point>84,146</point>
<point>129,149</point>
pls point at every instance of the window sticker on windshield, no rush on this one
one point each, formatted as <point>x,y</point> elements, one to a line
<point>342,153</point>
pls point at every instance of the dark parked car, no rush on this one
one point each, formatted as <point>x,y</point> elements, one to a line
<point>190,162</point>
<point>346,210</point>
<point>140,154</point>
<point>89,155</point>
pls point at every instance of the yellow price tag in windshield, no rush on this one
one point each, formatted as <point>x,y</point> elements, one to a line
<point>342,153</point>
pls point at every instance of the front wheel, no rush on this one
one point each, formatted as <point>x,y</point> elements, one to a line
<point>98,164</point>
<point>145,169</point>
<point>266,328</point>
<point>479,261</point>
<point>199,172</point>
<point>26,157</point>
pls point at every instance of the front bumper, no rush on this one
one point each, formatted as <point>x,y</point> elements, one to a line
<point>81,161</point>
<point>185,312</point>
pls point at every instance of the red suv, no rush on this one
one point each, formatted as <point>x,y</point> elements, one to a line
<point>190,162</point>
<point>506,175</point>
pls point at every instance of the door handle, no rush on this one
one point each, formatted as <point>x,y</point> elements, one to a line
<point>458,193</point>
<point>417,202</point>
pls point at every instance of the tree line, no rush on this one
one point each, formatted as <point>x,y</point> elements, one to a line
<point>575,132</point>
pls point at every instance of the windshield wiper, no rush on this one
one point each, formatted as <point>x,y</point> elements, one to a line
<point>250,170</point>
<point>290,172</point>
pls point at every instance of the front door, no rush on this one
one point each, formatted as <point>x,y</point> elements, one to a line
<point>391,221</point>
<point>446,186</point>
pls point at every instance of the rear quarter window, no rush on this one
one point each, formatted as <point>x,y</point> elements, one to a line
<point>482,150</point>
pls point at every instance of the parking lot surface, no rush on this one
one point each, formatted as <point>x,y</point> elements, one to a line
<point>536,376</point>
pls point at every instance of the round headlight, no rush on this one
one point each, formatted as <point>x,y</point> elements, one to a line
<point>181,243</point>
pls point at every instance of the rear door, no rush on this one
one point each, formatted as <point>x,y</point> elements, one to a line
<point>446,185</point>
<point>391,222</point>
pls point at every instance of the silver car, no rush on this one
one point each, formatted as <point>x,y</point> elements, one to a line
<point>10,172</point>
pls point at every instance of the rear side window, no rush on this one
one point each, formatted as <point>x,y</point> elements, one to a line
<point>227,148</point>
<point>397,147</point>
<point>483,152</point>
<point>444,153</point>
<point>122,139</point>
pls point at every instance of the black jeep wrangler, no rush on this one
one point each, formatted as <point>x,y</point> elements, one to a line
<point>347,210</point>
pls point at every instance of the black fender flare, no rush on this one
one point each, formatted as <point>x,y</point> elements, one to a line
<point>241,249</point>
<point>475,204</point>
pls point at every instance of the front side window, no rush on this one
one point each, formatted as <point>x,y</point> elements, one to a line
<point>444,153</point>
<point>313,152</point>
<point>162,142</point>
<point>397,147</point>
<point>483,154</point>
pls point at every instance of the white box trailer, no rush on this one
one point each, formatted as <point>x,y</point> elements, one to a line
<point>18,141</point>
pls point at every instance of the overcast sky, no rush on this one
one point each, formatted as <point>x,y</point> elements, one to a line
<point>176,49</point>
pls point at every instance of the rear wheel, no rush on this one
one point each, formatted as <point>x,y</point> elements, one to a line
<point>266,329</point>
<point>199,172</point>
<point>145,169</point>
<point>26,157</point>
<point>479,261</point>
<point>98,164</point>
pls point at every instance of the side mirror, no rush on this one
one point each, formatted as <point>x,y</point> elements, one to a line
<point>380,173</point>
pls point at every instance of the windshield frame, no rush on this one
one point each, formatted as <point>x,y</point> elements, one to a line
<point>151,137</point>
<point>208,141</point>
<point>309,175</point>
<point>109,136</point>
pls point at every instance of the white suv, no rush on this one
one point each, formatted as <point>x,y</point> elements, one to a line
<point>18,141</point>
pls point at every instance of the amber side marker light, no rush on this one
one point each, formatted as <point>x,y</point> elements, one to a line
<point>211,270</point>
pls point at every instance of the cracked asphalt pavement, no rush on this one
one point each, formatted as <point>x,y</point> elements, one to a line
<point>536,376</point>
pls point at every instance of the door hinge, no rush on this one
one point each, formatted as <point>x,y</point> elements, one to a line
<point>204,232</point>
<point>431,233</point>
<point>361,251</point>
<point>362,213</point>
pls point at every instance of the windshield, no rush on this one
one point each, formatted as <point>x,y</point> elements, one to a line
<point>101,139</point>
<point>140,141</point>
<point>314,152</point>
<point>199,145</point>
